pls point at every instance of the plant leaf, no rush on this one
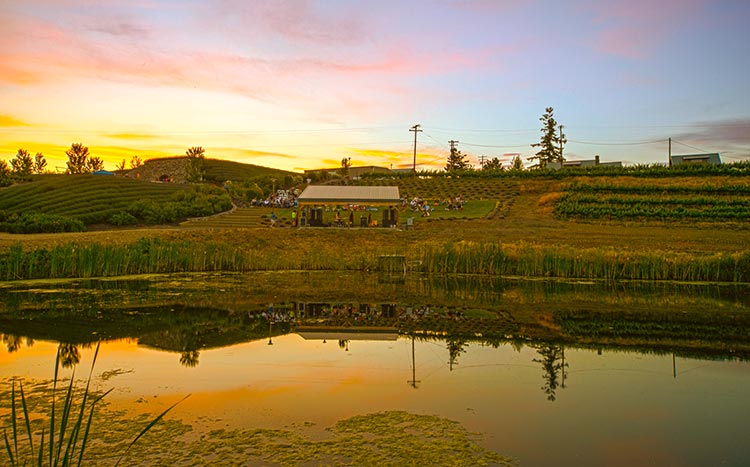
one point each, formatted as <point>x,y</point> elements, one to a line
<point>148,427</point>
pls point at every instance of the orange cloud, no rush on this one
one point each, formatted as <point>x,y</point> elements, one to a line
<point>9,121</point>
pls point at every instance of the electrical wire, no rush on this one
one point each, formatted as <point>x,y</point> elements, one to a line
<point>633,143</point>
<point>687,145</point>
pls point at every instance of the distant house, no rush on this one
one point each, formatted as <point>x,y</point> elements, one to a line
<point>711,159</point>
<point>595,162</point>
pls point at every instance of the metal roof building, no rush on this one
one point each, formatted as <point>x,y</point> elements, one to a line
<point>311,202</point>
<point>371,195</point>
<point>711,158</point>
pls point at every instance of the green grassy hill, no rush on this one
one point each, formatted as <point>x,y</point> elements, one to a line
<point>94,199</point>
<point>79,195</point>
<point>220,170</point>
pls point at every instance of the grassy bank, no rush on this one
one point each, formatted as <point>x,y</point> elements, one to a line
<point>156,255</point>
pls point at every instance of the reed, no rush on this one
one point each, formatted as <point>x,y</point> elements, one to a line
<point>529,260</point>
<point>523,259</point>
<point>63,441</point>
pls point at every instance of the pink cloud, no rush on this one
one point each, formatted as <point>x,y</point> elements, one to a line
<point>634,28</point>
<point>292,20</point>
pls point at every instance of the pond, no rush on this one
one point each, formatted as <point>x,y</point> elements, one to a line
<point>280,367</point>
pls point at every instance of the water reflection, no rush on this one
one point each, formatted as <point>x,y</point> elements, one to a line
<point>552,359</point>
<point>188,314</point>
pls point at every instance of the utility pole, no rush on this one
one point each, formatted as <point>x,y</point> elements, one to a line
<point>562,140</point>
<point>416,129</point>
<point>453,145</point>
<point>670,152</point>
<point>481,158</point>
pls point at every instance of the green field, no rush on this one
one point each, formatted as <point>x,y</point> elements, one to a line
<point>713,200</point>
<point>94,199</point>
<point>523,226</point>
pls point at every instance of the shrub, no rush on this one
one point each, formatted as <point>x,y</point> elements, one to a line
<point>39,223</point>
<point>123,218</point>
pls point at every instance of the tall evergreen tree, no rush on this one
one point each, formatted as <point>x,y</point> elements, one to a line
<point>456,160</point>
<point>551,143</point>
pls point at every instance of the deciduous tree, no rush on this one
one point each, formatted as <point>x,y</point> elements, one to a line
<point>22,165</point>
<point>135,162</point>
<point>492,164</point>
<point>345,164</point>
<point>78,155</point>
<point>516,163</point>
<point>40,163</point>
<point>95,163</point>
<point>196,157</point>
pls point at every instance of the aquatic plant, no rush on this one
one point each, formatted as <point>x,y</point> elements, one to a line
<point>70,421</point>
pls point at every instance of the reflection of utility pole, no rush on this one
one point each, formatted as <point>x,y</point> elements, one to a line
<point>416,130</point>
<point>674,367</point>
<point>413,381</point>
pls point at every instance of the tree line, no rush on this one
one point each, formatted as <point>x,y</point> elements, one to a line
<point>550,150</point>
<point>81,161</point>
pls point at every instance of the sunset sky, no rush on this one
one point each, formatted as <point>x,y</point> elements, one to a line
<point>298,84</point>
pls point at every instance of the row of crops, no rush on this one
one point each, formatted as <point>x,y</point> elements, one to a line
<point>711,201</point>
<point>441,188</point>
<point>48,200</point>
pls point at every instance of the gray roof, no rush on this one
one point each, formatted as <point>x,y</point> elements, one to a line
<point>711,158</point>
<point>350,194</point>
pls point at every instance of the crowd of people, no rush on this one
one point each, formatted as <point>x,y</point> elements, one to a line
<point>418,204</point>
<point>280,199</point>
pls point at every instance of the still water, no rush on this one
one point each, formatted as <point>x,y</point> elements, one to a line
<point>509,360</point>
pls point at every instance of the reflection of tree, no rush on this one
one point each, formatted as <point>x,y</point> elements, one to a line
<point>189,358</point>
<point>553,363</point>
<point>12,343</point>
<point>455,348</point>
<point>69,355</point>
<point>344,344</point>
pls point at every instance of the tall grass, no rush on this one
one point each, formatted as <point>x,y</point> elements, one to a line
<point>148,256</point>
<point>564,262</point>
<point>70,421</point>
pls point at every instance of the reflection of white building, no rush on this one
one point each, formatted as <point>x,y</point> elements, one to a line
<point>347,334</point>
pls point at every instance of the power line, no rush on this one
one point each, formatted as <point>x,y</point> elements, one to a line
<point>496,146</point>
<point>634,143</point>
<point>691,147</point>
